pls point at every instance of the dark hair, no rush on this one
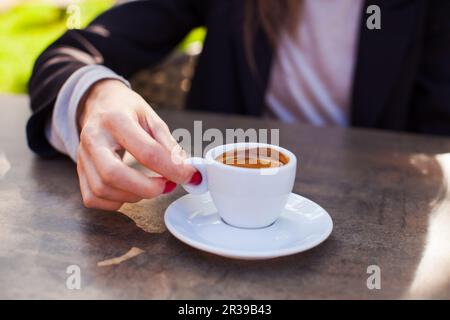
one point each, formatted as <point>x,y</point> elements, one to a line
<point>272,16</point>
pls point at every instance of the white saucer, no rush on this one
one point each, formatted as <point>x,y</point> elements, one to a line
<point>194,220</point>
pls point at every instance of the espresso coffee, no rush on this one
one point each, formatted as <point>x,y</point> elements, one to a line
<point>254,158</point>
<point>246,197</point>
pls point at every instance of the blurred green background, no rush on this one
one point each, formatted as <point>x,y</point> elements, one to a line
<point>28,27</point>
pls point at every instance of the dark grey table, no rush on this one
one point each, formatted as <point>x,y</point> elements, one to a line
<point>386,192</point>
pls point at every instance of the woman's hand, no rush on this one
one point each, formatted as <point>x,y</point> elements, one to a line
<point>113,118</point>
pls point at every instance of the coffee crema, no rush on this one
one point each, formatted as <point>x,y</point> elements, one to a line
<point>253,158</point>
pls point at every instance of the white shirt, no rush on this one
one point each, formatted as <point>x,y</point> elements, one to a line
<point>311,76</point>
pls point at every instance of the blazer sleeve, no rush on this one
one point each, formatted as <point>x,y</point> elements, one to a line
<point>125,39</point>
<point>431,98</point>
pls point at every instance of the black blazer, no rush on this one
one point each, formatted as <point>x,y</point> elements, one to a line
<point>401,82</point>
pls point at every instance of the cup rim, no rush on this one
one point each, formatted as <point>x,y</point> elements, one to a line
<point>210,158</point>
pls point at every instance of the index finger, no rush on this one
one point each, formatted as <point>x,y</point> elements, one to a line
<point>131,136</point>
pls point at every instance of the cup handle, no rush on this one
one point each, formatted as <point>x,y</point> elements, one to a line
<point>199,164</point>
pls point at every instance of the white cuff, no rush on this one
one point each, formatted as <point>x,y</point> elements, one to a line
<point>62,129</point>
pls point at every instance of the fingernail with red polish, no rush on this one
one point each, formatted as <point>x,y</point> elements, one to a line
<point>196,179</point>
<point>170,186</point>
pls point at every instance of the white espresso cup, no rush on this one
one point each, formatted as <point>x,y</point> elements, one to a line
<point>245,197</point>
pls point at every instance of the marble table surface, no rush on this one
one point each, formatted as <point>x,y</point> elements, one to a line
<point>386,192</point>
